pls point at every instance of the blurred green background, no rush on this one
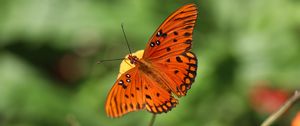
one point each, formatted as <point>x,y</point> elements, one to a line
<point>248,52</point>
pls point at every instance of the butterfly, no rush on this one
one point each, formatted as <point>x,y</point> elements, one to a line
<point>149,78</point>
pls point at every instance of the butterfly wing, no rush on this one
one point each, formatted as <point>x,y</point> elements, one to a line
<point>168,49</point>
<point>135,91</point>
<point>174,35</point>
<point>180,70</point>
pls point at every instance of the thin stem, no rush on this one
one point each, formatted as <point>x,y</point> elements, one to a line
<point>272,118</point>
<point>152,120</point>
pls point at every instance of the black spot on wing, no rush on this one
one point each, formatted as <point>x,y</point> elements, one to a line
<point>148,96</point>
<point>189,41</point>
<point>178,59</point>
<point>187,34</point>
<point>188,27</point>
<point>168,49</point>
<point>175,33</point>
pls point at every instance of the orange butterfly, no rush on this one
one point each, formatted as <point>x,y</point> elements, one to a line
<point>149,77</point>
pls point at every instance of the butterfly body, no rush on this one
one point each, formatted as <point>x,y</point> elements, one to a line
<point>165,67</point>
<point>150,71</point>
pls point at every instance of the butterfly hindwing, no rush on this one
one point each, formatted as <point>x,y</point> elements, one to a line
<point>182,70</point>
<point>174,36</point>
<point>158,99</point>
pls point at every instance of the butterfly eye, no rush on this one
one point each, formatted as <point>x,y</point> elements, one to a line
<point>128,80</point>
<point>128,76</point>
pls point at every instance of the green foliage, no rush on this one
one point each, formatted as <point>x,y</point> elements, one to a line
<point>49,50</point>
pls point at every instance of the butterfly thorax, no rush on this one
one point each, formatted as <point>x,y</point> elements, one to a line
<point>150,71</point>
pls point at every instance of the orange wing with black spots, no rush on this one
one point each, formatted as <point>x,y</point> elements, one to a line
<point>180,70</point>
<point>169,49</point>
<point>174,35</point>
<point>135,91</point>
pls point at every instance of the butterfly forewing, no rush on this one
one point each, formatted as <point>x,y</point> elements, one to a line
<point>174,36</point>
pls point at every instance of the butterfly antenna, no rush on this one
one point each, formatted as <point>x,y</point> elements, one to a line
<point>101,61</point>
<point>126,38</point>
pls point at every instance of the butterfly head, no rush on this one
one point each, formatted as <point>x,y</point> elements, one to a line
<point>126,65</point>
<point>133,59</point>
